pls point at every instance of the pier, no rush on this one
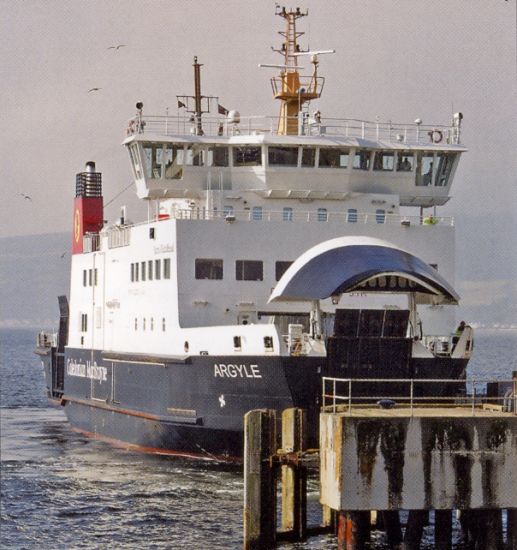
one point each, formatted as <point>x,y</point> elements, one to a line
<point>382,455</point>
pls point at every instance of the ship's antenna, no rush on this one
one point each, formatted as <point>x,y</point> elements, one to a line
<point>201,102</point>
<point>197,95</point>
<point>291,89</point>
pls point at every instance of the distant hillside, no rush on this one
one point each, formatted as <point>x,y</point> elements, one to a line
<point>32,275</point>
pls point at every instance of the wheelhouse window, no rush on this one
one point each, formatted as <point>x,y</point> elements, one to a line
<point>153,160</point>
<point>256,213</point>
<point>249,270</point>
<point>362,159</point>
<point>380,216</point>
<point>281,267</point>
<point>194,155</point>
<point>444,168</point>
<point>351,215</point>
<point>157,269</point>
<point>150,270</point>
<point>142,270</point>
<point>405,161</point>
<point>247,156</point>
<point>282,156</point>
<point>333,157</point>
<point>384,161</point>
<point>208,268</point>
<point>424,168</point>
<point>308,157</point>
<point>174,161</point>
<point>133,154</point>
<point>218,156</point>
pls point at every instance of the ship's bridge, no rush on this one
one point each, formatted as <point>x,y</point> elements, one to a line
<point>328,159</point>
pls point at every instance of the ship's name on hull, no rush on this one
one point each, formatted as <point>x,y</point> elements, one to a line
<point>86,370</point>
<point>223,370</point>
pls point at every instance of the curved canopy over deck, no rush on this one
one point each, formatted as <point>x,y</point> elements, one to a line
<point>360,264</point>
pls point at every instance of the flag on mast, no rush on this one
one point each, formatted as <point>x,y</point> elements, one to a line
<point>221,110</point>
<point>181,104</point>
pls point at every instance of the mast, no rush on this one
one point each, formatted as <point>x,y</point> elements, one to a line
<point>197,95</point>
<point>291,89</point>
<point>201,102</point>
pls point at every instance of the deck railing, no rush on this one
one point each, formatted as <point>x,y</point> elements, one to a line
<point>310,216</point>
<point>338,394</point>
<point>409,133</point>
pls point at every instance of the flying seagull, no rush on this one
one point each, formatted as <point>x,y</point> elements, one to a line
<point>63,255</point>
<point>26,196</point>
<point>117,47</point>
<point>94,90</point>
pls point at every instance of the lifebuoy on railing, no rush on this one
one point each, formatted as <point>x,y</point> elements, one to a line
<point>436,136</point>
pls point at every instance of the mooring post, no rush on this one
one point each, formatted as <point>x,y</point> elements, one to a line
<point>294,475</point>
<point>414,529</point>
<point>391,520</point>
<point>465,521</point>
<point>489,535</point>
<point>328,518</point>
<point>353,530</point>
<point>259,480</point>
<point>442,529</point>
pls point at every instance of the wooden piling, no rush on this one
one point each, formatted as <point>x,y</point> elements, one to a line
<point>294,475</point>
<point>259,480</point>
<point>414,529</point>
<point>391,520</point>
<point>353,530</point>
<point>329,519</point>
<point>489,535</point>
<point>443,529</point>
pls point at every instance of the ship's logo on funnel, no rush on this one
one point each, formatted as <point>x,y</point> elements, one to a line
<point>77,225</point>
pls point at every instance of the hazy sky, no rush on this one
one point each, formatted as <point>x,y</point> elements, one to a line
<point>396,59</point>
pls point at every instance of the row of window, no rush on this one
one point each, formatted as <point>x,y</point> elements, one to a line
<point>167,160</point>
<point>149,324</point>
<point>322,214</point>
<point>151,269</point>
<point>245,270</point>
<point>90,277</point>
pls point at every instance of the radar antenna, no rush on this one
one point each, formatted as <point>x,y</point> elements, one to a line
<point>290,88</point>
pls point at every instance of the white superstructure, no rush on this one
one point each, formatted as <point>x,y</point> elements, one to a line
<point>234,200</point>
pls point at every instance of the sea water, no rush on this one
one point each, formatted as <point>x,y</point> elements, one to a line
<point>62,490</point>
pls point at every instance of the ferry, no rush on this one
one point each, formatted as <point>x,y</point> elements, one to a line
<point>276,250</point>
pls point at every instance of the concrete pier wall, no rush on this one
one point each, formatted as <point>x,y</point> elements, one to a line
<point>377,459</point>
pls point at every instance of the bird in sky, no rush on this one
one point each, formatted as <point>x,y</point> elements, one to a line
<point>94,90</point>
<point>25,196</point>
<point>63,255</point>
<point>117,47</point>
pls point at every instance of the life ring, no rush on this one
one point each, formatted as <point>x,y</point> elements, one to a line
<point>436,136</point>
